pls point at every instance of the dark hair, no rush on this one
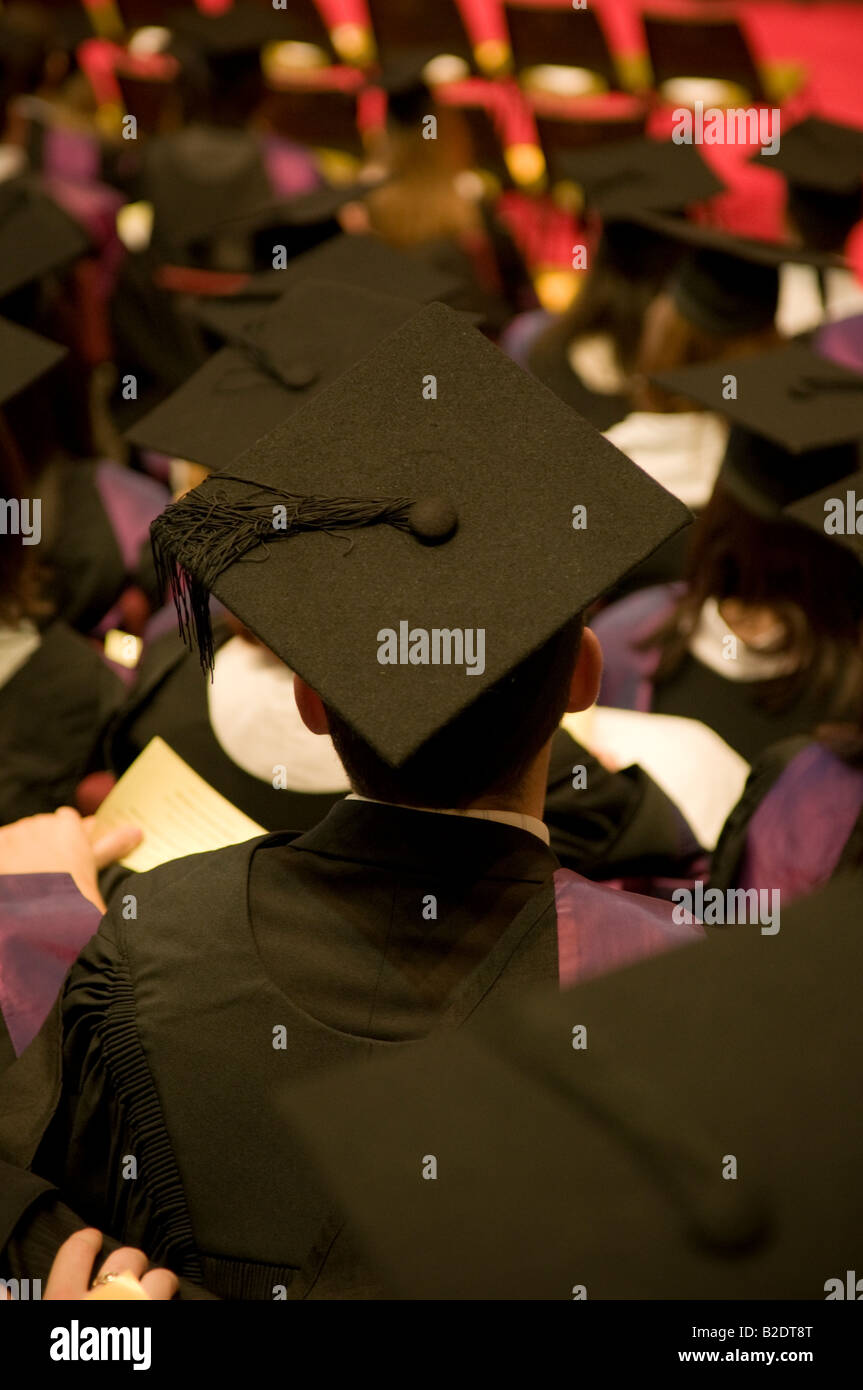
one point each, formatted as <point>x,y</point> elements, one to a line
<point>669,340</point>
<point>487,750</point>
<point>812,583</point>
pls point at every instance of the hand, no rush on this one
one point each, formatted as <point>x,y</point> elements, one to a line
<point>63,843</point>
<point>71,1274</point>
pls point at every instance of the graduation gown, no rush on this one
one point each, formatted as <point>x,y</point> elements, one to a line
<point>798,822</point>
<point>34,1223</point>
<point>44,923</point>
<point>99,541</point>
<point>245,971</point>
<point>52,713</point>
<point>539,343</point>
<point>609,1168</point>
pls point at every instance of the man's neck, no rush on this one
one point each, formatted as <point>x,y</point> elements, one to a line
<point>528,800</point>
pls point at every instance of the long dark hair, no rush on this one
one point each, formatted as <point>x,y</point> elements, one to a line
<point>812,584</point>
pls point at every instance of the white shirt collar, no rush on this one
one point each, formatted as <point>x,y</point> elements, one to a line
<point>516,818</point>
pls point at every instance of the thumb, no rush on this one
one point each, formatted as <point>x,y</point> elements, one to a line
<point>115,843</point>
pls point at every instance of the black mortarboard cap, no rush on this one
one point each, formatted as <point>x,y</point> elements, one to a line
<point>605,1168</point>
<point>431,489</point>
<point>365,261</point>
<point>796,422</point>
<point>819,155</point>
<point>822,163</point>
<point>727,284</point>
<point>36,235</point>
<point>24,358</point>
<point>277,359</point>
<point>198,180</point>
<point>626,178</point>
<point>409,96</point>
<point>700,237</point>
<point>299,223</point>
<point>560,133</point>
<point>831,510</point>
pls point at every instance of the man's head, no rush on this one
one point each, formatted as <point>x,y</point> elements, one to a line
<point>488,753</point>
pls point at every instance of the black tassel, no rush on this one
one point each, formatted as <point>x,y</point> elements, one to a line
<point>208,530</point>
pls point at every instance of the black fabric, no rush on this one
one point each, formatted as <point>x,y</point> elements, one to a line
<point>620,825</point>
<point>765,773</point>
<point>275,361</point>
<point>167,1026</point>
<point>36,236</point>
<point>736,709</point>
<point>25,357</point>
<point>52,713</point>
<point>790,396</point>
<point>548,362</point>
<point>607,1172</point>
<point>7,1051</point>
<point>626,178</point>
<point>155,340</point>
<point>86,573</point>
<point>34,1223</point>
<point>19,1192</point>
<point>169,700</point>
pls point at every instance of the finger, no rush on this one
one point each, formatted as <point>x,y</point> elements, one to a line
<point>115,843</point>
<point>160,1283</point>
<point>73,1265</point>
<point>126,1258</point>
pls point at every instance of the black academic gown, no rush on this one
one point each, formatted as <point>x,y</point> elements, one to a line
<point>547,361</point>
<point>606,1173</point>
<point>52,713</point>
<point>34,1223</point>
<point>247,970</point>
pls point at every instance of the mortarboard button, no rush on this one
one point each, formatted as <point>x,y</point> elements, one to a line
<point>298,374</point>
<point>433,520</point>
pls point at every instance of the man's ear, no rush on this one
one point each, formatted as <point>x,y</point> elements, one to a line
<point>311,707</point>
<point>584,686</point>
